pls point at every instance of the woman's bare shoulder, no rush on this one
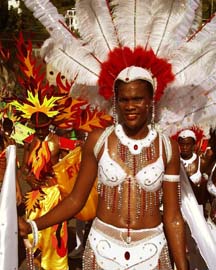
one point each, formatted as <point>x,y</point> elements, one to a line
<point>94,138</point>
<point>95,134</point>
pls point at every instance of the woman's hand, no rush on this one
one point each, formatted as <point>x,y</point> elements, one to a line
<point>33,181</point>
<point>24,227</point>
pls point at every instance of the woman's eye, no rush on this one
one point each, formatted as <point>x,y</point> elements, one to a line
<point>138,99</point>
<point>122,100</point>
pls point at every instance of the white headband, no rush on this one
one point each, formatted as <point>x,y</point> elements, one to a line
<point>187,133</point>
<point>133,73</point>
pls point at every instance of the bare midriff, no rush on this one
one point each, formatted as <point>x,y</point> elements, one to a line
<point>148,218</point>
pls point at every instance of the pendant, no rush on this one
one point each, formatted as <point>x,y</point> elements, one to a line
<point>127,255</point>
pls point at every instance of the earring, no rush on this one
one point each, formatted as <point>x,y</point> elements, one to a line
<point>153,115</point>
<point>114,111</point>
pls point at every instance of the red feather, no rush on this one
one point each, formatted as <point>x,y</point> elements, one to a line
<point>120,58</point>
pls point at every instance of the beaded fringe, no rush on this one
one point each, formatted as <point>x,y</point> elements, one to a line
<point>112,196</point>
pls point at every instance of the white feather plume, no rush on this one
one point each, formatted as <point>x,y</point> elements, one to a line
<point>166,17</point>
<point>131,18</point>
<point>190,21</point>
<point>48,15</point>
<point>96,26</point>
<point>90,93</point>
<point>162,25</point>
<point>75,62</point>
<point>207,32</point>
<point>187,106</point>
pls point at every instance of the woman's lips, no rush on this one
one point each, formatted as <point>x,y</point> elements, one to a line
<point>131,116</point>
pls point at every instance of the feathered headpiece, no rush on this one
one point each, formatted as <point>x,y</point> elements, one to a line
<point>195,132</point>
<point>158,36</point>
<point>55,103</point>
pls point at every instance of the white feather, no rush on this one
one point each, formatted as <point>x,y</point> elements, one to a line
<point>166,17</point>
<point>96,26</point>
<point>190,21</point>
<point>90,94</point>
<point>72,61</point>
<point>188,105</point>
<point>48,15</point>
<point>194,61</point>
<point>207,32</point>
<point>131,18</point>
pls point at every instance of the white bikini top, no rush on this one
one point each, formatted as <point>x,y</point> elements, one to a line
<point>197,176</point>
<point>150,178</point>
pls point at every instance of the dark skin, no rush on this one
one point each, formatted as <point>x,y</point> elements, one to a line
<point>187,148</point>
<point>40,134</point>
<point>134,100</point>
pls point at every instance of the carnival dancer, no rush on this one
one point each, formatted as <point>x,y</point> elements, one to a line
<point>192,164</point>
<point>42,151</point>
<point>129,196</point>
<point>121,45</point>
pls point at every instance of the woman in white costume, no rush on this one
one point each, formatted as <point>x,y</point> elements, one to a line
<point>131,51</point>
<point>135,174</point>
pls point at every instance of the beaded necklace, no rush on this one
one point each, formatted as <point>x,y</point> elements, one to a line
<point>187,163</point>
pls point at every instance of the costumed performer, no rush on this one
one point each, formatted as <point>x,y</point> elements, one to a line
<point>42,151</point>
<point>191,161</point>
<point>158,37</point>
<point>133,172</point>
<point>194,164</point>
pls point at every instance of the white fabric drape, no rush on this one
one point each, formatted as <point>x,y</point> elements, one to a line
<point>195,219</point>
<point>8,215</point>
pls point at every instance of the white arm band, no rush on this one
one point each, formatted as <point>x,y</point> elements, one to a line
<point>171,178</point>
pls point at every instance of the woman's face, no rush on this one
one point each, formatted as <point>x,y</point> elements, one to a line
<point>133,100</point>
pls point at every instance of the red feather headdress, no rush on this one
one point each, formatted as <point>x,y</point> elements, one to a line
<point>121,58</point>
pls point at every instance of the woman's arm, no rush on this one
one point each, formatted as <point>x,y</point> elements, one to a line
<point>75,201</point>
<point>172,218</point>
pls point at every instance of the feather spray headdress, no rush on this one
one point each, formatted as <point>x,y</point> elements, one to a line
<point>117,34</point>
<point>39,96</point>
<point>162,29</point>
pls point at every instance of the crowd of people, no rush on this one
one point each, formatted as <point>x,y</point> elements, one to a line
<point>143,175</point>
